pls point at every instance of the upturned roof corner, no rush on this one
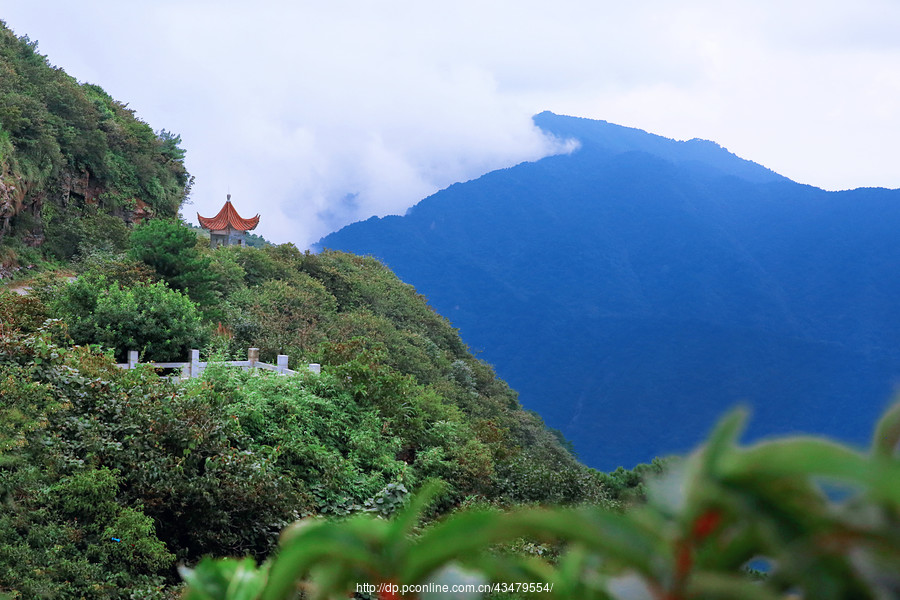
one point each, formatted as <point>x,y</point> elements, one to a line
<point>228,218</point>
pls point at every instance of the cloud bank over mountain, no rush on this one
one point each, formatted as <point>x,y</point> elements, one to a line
<point>318,114</point>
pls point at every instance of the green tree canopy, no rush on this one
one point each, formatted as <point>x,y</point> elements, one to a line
<point>170,249</point>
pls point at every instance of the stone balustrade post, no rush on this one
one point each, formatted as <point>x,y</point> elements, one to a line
<point>194,368</point>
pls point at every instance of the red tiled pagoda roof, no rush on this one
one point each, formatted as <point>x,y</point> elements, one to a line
<point>228,217</point>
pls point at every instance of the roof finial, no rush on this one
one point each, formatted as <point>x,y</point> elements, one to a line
<point>228,197</point>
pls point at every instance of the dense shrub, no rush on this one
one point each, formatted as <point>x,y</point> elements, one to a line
<point>290,317</point>
<point>64,531</point>
<point>21,312</point>
<point>74,232</point>
<point>258,266</point>
<point>89,453</point>
<point>115,267</point>
<point>161,324</point>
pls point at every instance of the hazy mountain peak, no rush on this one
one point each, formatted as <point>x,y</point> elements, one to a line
<point>609,138</point>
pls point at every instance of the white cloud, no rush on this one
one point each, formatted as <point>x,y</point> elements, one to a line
<point>318,114</point>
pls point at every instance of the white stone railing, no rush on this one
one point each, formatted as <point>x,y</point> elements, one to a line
<point>194,367</point>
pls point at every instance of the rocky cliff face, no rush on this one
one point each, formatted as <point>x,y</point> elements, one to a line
<point>12,198</point>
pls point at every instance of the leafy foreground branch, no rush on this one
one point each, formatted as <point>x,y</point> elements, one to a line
<point>705,521</point>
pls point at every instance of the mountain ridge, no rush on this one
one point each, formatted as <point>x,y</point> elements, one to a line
<point>619,138</point>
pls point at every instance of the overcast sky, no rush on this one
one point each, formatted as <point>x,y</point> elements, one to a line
<point>318,114</point>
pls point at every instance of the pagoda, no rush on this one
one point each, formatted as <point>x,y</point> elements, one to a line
<point>227,228</point>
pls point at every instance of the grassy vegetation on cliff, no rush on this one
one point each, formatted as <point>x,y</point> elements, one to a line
<point>70,156</point>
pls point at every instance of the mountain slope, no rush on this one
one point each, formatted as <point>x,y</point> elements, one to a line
<point>633,289</point>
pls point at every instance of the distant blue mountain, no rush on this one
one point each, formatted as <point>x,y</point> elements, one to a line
<point>636,289</point>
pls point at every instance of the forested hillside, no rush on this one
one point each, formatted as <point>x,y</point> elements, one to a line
<point>71,159</point>
<point>635,289</point>
<point>111,478</point>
